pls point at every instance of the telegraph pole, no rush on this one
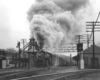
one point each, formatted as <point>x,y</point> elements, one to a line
<point>18,45</point>
<point>70,60</point>
<point>93,31</point>
<point>78,51</point>
<point>93,47</point>
<point>78,41</point>
<point>19,56</point>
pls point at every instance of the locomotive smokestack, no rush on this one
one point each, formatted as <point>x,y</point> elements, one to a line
<point>54,22</point>
<point>40,39</point>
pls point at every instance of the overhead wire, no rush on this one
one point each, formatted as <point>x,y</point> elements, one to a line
<point>94,27</point>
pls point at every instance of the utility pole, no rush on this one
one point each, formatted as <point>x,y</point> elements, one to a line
<point>78,41</point>
<point>78,51</point>
<point>93,31</point>
<point>18,45</point>
<point>70,59</point>
<point>93,47</point>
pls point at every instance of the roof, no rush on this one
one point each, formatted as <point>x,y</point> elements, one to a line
<point>90,49</point>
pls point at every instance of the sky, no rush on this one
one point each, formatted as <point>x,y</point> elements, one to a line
<point>14,25</point>
<point>13,22</point>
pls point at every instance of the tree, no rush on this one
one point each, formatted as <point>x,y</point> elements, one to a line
<point>10,52</point>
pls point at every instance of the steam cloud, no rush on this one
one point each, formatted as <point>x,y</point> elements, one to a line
<point>54,22</point>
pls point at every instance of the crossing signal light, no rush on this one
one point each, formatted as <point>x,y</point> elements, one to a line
<point>80,47</point>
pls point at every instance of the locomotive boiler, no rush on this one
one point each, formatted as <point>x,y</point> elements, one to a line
<point>43,59</point>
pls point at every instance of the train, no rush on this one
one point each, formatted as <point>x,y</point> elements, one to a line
<point>43,59</point>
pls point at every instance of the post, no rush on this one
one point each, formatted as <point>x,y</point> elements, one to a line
<point>79,52</point>
<point>15,56</point>
<point>81,60</point>
<point>19,53</point>
<point>19,56</point>
<point>28,60</point>
<point>70,60</point>
<point>23,46</point>
<point>93,48</point>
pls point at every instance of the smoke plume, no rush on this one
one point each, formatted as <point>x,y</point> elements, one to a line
<point>54,22</point>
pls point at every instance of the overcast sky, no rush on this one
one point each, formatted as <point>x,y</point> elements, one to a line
<point>13,21</point>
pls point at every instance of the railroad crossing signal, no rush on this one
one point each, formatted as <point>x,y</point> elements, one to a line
<point>80,47</point>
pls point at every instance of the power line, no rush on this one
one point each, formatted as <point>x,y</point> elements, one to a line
<point>94,26</point>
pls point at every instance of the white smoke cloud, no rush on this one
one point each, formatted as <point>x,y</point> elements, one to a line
<point>55,22</point>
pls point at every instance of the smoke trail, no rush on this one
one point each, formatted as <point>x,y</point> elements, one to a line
<point>54,22</point>
<point>71,5</point>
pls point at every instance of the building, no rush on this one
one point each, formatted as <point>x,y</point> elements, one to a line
<point>2,59</point>
<point>88,57</point>
<point>32,56</point>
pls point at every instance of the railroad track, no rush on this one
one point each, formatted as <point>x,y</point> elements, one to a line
<point>78,75</point>
<point>59,76</point>
<point>8,72</point>
<point>17,74</point>
<point>28,73</point>
<point>12,74</point>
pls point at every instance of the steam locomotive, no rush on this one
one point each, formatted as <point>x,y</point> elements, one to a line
<point>43,59</point>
